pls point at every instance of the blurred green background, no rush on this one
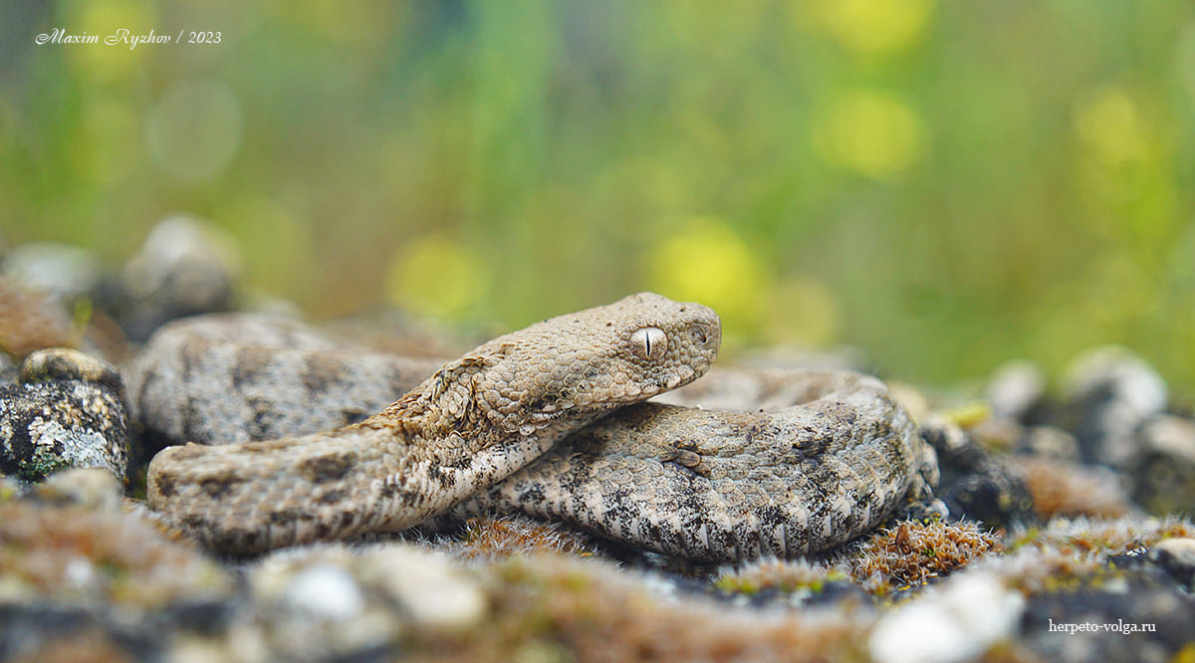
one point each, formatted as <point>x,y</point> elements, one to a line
<point>942,184</point>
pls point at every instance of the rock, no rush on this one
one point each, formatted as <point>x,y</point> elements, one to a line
<point>1137,614</point>
<point>9,371</point>
<point>1163,468</point>
<point>30,320</point>
<point>1110,392</point>
<point>1049,442</point>
<point>1015,390</point>
<point>91,488</point>
<point>1065,488</point>
<point>974,483</point>
<point>65,271</point>
<point>66,364</point>
<point>1176,557</point>
<point>76,555</point>
<point>67,412</point>
<point>957,622</point>
<point>334,602</point>
<point>81,583</point>
<point>186,267</point>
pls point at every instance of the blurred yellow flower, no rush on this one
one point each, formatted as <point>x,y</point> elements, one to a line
<point>1109,124</point>
<point>705,261</point>
<point>104,18</point>
<point>875,27</point>
<point>438,277</point>
<point>871,132</point>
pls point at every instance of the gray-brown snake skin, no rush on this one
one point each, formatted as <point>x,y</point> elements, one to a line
<point>821,457</point>
<point>473,422</point>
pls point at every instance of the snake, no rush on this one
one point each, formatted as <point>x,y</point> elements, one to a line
<point>552,421</point>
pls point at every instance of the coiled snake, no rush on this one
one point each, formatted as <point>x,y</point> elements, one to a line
<point>520,423</point>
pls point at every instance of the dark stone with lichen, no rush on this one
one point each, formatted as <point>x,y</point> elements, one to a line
<point>1163,468</point>
<point>67,412</point>
<point>1133,614</point>
<point>974,483</point>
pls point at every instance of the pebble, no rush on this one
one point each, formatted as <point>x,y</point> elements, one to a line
<point>1015,390</point>
<point>66,412</point>
<point>30,320</point>
<point>64,270</point>
<point>1176,557</point>
<point>957,622</point>
<point>88,487</point>
<point>186,267</point>
<point>1049,442</point>
<point>1110,392</point>
<point>1163,469</point>
<point>335,601</point>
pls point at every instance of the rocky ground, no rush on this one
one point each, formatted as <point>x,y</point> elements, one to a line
<point>1068,537</point>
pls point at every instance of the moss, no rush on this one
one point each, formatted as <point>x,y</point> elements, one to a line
<point>487,538</point>
<point>1069,555</point>
<point>75,554</point>
<point>588,610</point>
<point>781,575</point>
<point>911,553</point>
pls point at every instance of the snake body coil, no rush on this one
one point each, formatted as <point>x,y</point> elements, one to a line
<point>810,459</point>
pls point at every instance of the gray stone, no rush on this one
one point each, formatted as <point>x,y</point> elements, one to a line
<point>66,271</point>
<point>1015,389</point>
<point>1163,468</point>
<point>957,622</point>
<point>1110,393</point>
<point>186,267</point>
<point>1176,557</point>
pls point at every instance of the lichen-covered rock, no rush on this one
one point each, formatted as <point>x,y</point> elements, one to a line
<point>185,267</point>
<point>1163,469</point>
<point>94,583</point>
<point>1177,557</point>
<point>87,556</point>
<point>1137,614</point>
<point>974,483</point>
<point>67,411</point>
<point>1110,393</point>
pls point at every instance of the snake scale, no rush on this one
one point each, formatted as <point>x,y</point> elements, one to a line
<point>519,424</point>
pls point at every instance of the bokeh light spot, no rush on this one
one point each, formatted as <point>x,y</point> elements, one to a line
<point>707,262</point>
<point>438,277</point>
<point>194,130</point>
<point>102,19</point>
<point>1109,124</point>
<point>802,311</point>
<point>876,27</point>
<point>871,132</point>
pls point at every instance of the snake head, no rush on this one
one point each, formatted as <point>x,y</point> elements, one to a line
<point>582,365</point>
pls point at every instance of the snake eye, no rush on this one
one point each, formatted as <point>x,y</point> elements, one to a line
<point>649,343</point>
